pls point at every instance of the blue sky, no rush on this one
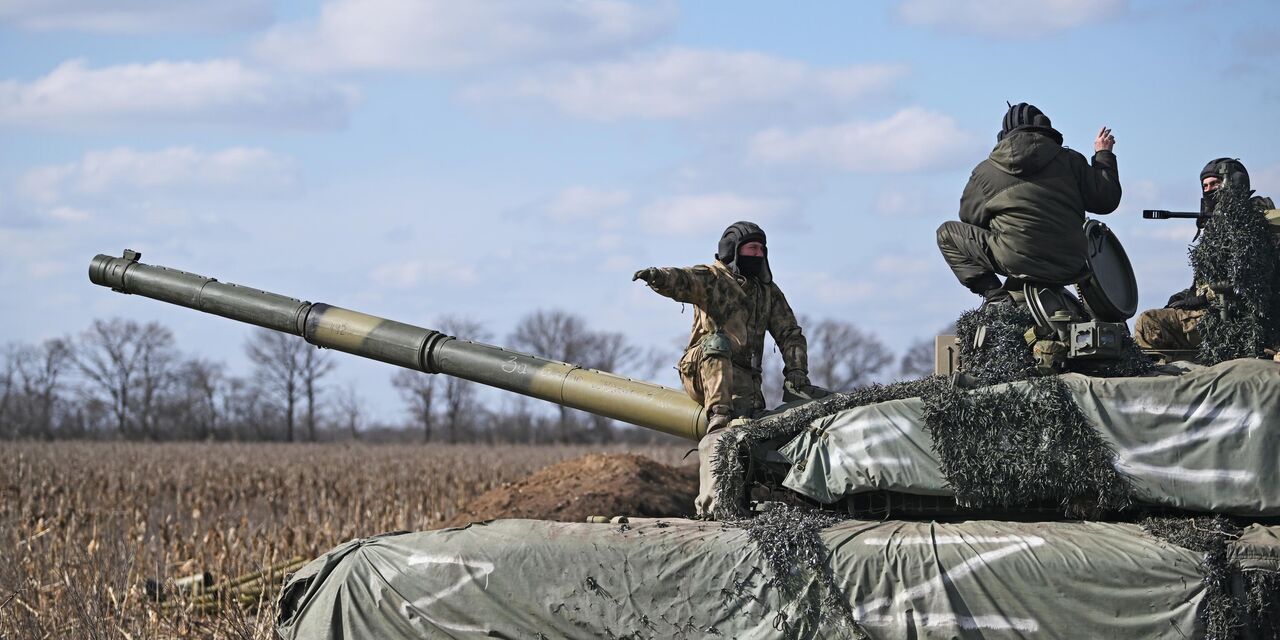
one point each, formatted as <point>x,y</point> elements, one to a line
<point>417,158</point>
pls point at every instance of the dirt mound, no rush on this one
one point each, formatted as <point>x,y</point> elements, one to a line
<point>599,484</point>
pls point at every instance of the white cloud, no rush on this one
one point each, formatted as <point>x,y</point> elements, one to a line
<point>684,83</point>
<point>710,212</point>
<point>435,35</point>
<point>208,92</point>
<point>411,273</point>
<point>100,175</point>
<point>162,17</point>
<point>586,204</point>
<point>1011,19</point>
<point>913,139</point>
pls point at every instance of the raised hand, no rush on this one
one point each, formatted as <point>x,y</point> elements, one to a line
<point>1105,141</point>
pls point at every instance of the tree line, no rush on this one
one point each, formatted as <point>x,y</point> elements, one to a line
<point>123,379</point>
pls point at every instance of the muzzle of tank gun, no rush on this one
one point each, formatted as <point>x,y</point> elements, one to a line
<point>640,403</point>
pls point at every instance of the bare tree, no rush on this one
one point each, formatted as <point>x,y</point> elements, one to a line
<point>350,409</point>
<point>459,394</point>
<point>35,374</point>
<point>8,388</point>
<point>279,360</point>
<point>200,385</point>
<point>918,360</point>
<point>843,357</point>
<point>128,366</point>
<point>557,335</point>
<point>316,364</point>
<point>418,391</point>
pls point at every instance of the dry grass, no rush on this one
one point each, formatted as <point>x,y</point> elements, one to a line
<point>84,525</point>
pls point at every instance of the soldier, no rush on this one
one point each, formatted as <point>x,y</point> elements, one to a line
<point>1022,212</point>
<point>1175,327</point>
<point>735,301</point>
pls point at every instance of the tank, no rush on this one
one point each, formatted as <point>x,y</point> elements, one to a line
<point>1147,505</point>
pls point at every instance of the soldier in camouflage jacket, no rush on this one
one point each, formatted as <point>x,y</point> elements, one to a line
<point>735,301</point>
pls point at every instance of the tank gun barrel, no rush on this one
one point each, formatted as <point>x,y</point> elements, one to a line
<point>640,403</point>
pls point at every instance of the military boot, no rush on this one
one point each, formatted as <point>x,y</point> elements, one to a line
<point>705,504</point>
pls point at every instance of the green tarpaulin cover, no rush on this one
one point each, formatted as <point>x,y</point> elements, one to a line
<point>690,579</point>
<point>1207,440</point>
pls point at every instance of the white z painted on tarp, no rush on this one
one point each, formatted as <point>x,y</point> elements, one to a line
<point>1222,422</point>
<point>473,571</point>
<point>861,456</point>
<point>891,611</point>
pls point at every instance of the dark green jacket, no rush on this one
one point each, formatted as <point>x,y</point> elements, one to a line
<point>1032,194</point>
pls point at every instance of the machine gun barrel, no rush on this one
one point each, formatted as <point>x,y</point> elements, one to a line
<point>639,403</point>
<point>1161,214</point>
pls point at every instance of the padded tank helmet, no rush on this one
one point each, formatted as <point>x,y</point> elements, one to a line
<point>731,241</point>
<point>1229,169</point>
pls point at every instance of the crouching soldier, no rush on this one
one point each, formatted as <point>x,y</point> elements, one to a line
<point>1023,211</point>
<point>735,301</point>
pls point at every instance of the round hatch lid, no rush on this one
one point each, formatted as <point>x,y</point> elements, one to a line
<point>1110,290</point>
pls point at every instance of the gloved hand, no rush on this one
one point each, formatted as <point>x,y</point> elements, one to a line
<point>1189,303</point>
<point>651,276</point>
<point>796,387</point>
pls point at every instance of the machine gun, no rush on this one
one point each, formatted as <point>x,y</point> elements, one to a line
<point>1162,214</point>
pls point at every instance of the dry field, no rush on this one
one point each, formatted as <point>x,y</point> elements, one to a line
<point>83,526</point>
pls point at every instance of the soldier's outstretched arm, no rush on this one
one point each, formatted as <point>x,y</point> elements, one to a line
<point>682,284</point>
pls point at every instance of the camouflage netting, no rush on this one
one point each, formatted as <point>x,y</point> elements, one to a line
<point>1001,447</point>
<point>1004,355</point>
<point>787,536</point>
<point>1013,446</point>
<point>733,450</point>
<point>1250,612</point>
<point>1236,248</point>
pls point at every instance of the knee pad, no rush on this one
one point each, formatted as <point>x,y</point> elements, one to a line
<point>716,345</point>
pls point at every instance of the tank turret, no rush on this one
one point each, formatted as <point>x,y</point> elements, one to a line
<point>633,401</point>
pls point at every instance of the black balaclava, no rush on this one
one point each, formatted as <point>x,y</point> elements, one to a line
<point>1228,169</point>
<point>1027,117</point>
<point>738,234</point>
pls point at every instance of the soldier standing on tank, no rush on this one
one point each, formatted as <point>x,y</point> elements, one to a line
<point>735,301</point>
<point>1022,213</point>
<point>1176,326</point>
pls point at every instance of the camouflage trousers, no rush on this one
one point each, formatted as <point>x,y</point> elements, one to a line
<point>1172,329</point>
<point>714,381</point>
<point>717,384</point>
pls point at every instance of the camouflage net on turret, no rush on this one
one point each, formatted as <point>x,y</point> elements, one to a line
<point>734,448</point>
<point>1004,355</point>
<point>1236,249</point>
<point>1227,614</point>
<point>1021,445</point>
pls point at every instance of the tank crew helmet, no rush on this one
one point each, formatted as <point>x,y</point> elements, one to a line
<point>738,234</point>
<point>1027,117</point>
<point>1229,169</point>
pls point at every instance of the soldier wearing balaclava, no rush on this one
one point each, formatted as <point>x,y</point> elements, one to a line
<point>1176,327</point>
<point>1022,213</point>
<point>735,302</point>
